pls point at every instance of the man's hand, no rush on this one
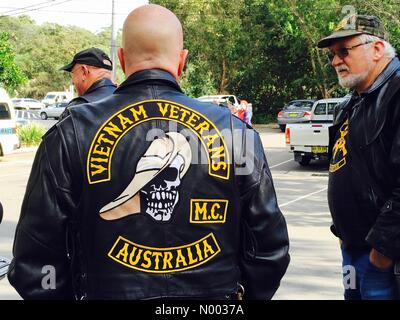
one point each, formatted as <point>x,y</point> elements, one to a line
<point>379,260</point>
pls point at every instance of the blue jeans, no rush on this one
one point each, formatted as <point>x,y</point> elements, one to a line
<point>363,281</point>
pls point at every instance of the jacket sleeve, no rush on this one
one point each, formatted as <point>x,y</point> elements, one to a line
<point>40,268</point>
<point>384,236</point>
<point>264,257</point>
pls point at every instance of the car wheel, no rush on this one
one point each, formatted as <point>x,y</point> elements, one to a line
<point>43,115</point>
<point>305,161</point>
<point>282,127</point>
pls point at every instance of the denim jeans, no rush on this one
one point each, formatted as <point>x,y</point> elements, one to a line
<point>363,281</point>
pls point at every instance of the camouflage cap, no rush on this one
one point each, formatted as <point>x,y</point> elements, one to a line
<point>355,24</point>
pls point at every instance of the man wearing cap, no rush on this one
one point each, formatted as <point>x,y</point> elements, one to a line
<point>91,75</point>
<point>364,172</point>
<point>142,195</point>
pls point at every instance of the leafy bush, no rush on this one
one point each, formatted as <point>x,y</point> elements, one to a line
<point>31,134</point>
<point>260,118</point>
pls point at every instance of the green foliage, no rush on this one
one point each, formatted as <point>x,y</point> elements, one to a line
<point>263,118</point>
<point>31,134</point>
<point>41,50</point>
<point>11,76</point>
<point>263,51</point>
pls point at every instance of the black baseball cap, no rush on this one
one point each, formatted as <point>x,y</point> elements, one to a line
<point>92,57</point>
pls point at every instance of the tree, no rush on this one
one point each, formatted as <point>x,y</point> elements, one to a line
<point>11,76</point>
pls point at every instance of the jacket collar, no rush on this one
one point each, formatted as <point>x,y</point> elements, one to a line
<point>100,83</point>
<point>152,75</point>
<point>392,66</point>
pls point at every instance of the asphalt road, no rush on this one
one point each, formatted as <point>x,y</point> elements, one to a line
<point>315,269</point>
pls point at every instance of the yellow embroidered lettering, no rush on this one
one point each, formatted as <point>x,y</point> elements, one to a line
<point>97,169</point>
<point>141,112</point>
<point>123,121</point>
<point>163,107</point>
<point>137,257</point>
<point>157,256</point>
<point>173,112</point>
<point>123,252</point>
<point>112,130</point>
<point>180,259</point>
<point>210,139</point>
<point>167,260</point>
<point>193,119</point>
<point>190,256</point>
<point>102,138</point>
<point>219,165</point>
<point>146,257</point>
<point>207,249</point>
<point>204,126</point>
<point>200,210</point>
<point>214,207</point>
<point>103,151</point>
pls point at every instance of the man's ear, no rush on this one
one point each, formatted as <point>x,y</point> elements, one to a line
<point>379,49</point>
<point>85,70</point>
<point>121,58</point>
<point>182,60</point>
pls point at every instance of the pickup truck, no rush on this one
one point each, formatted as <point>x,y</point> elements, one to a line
<point>310,141</point>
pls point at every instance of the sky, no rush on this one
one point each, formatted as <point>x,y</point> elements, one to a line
<point>89,14</point>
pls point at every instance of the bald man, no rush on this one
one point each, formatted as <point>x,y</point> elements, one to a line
<point>142,195</point>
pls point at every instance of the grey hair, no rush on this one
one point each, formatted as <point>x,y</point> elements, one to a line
<point>389,52</point>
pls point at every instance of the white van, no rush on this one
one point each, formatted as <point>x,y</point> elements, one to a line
<point>9,140</point>
<point>221,99</point>
<point>54,97</point>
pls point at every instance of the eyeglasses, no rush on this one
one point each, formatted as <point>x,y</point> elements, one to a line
<point>344,52</point>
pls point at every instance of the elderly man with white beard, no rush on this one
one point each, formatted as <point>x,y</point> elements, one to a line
<point>364,172</point>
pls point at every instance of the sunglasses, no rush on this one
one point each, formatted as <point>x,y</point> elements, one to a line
<point>344,51</point>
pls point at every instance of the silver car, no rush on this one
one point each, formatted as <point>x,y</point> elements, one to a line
<point>53,111</point>
<point>27,104</point>
<point>295,111</point>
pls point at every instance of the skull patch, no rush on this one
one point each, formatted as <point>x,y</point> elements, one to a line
<point>156,181</point>
<point>161,195</point>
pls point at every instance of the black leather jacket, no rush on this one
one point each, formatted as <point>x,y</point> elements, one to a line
<point>208,218</point>
<point>374,138</point>
<point>99,90</point>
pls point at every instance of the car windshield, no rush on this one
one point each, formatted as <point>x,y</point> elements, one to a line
<point>50,96</point>
<point>300,104</point>
<point>4,111</point>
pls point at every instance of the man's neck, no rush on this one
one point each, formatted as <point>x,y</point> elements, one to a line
<point>373,75</point>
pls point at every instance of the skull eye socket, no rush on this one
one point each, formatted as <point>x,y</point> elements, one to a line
<point>170,174</point>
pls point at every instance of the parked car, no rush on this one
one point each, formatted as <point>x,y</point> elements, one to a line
<point>27,104</point>
<point>296,111</point>
<point>322,110</point>
<point>310,141</point>
<point>224,98</point>
<point>9,140</point>
<point>56,97</point>
<point>53,111</point>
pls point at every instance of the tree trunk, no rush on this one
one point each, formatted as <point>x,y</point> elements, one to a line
<point>224,81</point>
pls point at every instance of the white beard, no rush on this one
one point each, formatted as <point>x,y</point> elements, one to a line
<point>353,80</point>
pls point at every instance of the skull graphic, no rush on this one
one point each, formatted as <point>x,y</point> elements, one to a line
<point>161,195</point>
<point>154,189</point>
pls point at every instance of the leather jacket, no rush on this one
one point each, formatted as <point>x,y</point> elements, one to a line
<point>374,138</point>
<point>206,217</point>
<point>98,90</point>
